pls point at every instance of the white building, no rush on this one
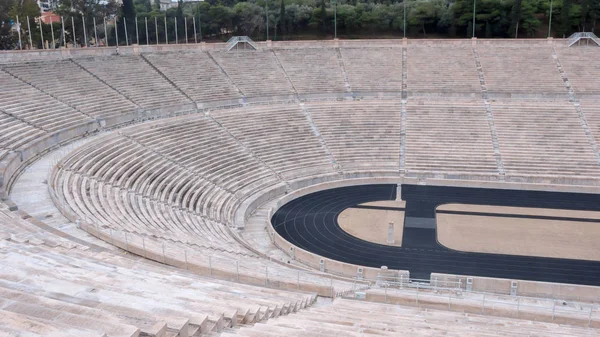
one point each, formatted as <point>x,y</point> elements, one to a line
<point>47,5</point>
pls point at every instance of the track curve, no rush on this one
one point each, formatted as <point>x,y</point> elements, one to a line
<point>310,222</point>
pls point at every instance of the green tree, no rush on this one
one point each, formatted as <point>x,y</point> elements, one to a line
<point>515,17</point>
<point>128,10</point>
<point>565,18</point>
<point>424,14</point>
<point>24,8</point>
<point>319,17</point>
<point>348,19</point>
<point>249,18</point>
<point>282,20</point>
<point>142,6</point>
<point>590,10</point>
<point>8,38</point>
<point>220,20</point>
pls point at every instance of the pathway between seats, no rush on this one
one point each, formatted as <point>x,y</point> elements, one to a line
<point>30,193</point>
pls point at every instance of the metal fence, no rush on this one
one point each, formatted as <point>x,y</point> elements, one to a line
<point>454,296</point>
<point>74,32</point>
<point>206,260</point>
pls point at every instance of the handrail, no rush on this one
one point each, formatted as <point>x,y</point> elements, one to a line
<point>575,37</point>
<point>233,41</point>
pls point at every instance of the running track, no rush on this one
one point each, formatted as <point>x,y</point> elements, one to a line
<point>310,222</point>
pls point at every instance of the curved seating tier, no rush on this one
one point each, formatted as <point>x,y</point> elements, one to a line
<point>51,286</point>
<point>543,139</point>
<point>191,72</point>
<point>360,318</point>
<point>430,74</point>
<point>16,132</point>
<point>313,71</point>
<point>135,79</point>
<point>523,71</point>
<point>280,136</point>
<point>361,135</point>
<point>582,66</point>
<point>35,107</point>
<point>450,137</point>
<point>72,85</point>
<point>188,173</point>
<point>591,113</point>
<point>255,73</point>
<point>373,69</point>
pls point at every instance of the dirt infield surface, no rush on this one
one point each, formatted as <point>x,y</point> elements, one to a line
<point>520,231</point>
<point>371,224</point>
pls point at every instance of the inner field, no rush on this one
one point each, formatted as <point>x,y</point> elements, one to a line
<point>370,221</point>
<point>519,231</point>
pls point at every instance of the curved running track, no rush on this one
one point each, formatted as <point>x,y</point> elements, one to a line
<point>310,222</point>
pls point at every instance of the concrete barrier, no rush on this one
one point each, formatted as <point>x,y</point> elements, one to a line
<point>67,53</point>
<point>562,291</point>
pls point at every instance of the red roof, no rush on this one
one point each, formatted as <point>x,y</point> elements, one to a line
<point>48,17</point>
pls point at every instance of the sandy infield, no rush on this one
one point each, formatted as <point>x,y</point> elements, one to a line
<point>372,224</point>
<point>520,236</point>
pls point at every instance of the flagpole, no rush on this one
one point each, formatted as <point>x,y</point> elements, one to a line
<point>52,31</point>
<point>474,5</point>
<point>19,32</point>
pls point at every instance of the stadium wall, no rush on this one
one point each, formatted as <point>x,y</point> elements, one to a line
<point>570,292</point>
<point>67,53</point>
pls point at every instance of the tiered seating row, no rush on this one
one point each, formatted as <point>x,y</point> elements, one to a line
<point>442,70</point>
<point>195,74</point>
<point>521,71</point>
<point>373,69</point>
<point>68,82</point>
<point>543,139</point>
<point>180,181</point>
<point>361,135</point>
<point>136,79</point>
<point>280,135</point>
<point>582,66</point>
<point>49,287</point>
<point>313,71</point>
<point>36,107</point>
<point>256,73</point>
<point>591,112</point>
<point>16,133</point>
<point>448,137</point>
<point>359,318</point>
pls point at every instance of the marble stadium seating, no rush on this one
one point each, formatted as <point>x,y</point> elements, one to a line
<point>177,145</point>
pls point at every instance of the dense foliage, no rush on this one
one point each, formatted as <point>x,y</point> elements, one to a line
<point>306,19</point>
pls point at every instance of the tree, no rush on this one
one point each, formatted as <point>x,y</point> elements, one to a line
<point>590,10</point>
<point>142,6</point>
<point>319,17</point>
<point>423,14</point>
<point>282,19</point>
<point>249,18</point>
<point>8,38</point>
<point>565,18</point>
<point>516,17</point>
<point>24,8</point>
<point>220,20</point>
<point>128,10</point>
